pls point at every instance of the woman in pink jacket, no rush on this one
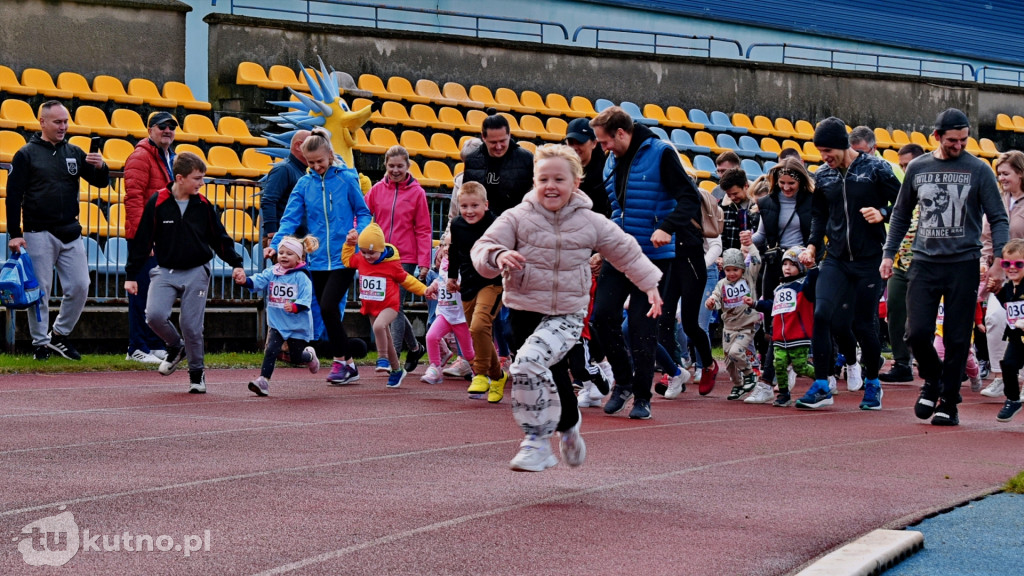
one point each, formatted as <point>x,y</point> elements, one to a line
<point>399,206</point>
<point>542,249</point>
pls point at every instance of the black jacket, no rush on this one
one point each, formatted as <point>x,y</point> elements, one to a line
<point>460,265</point>
<point>180,242</point>
<point>770,209</point>
<point>507,179</point>
<point>42,189</point>
<point>593,182</point>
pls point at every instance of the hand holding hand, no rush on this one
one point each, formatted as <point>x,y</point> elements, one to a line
<point>746,238</point>
<point>885,269</point>
<point>807,257</point>
<point>453,285</point>
<point>238,275</point>
<point>710,303</point>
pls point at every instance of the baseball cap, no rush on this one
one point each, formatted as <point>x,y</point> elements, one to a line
<point>580,131</point>
<point>159,118</point>
<point>951,119</point>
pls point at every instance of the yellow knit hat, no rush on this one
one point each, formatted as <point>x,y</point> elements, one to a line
<point>372,238</point>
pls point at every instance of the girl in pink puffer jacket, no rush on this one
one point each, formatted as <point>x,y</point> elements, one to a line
<point>542,249</point>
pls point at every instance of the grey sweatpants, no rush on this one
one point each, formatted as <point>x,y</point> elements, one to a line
<point>191,286</point>
<point>72,266</point>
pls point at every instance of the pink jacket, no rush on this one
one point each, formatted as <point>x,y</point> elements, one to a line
<point>401,211</point>
<point>556,277</point>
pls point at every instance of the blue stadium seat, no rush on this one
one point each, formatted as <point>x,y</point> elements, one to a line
<point>634,111</point>
<point>117,255</point>
<point>660,132</point>
<point>768,165</point>
<point>705,163</point>
<point>722,119</point>
<point>257,257</point>
<point>684,143</point>
<point>94,254</point>
<point>3,245</point>
<point>700,117</point>
<point>727,141</point>
<point>752,168</point>
<point>600,104</point>
<point>750,144</point>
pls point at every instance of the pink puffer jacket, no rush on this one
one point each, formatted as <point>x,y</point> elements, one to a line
<point>557,246</point>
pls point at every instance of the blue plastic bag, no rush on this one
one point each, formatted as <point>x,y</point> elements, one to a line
<point>19,288</point>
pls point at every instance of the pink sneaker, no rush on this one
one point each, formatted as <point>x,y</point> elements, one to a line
<point>432,375</point>
<point>314,364</point>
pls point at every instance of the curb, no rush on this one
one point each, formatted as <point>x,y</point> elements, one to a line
<point>868,555</point>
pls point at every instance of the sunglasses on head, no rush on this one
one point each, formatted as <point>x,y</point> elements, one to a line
<point>1018,264</point>
<point>167,126</point>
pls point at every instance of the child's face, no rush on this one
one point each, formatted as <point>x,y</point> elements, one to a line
<point>371,255</point>
<point>733,273</point>
<point>287,258</point>
<point>190,184</point>
<point>319,160</point>
<point>398,169</point>
<point>472,207</point>
<point>789,269</point>
<point>554,183</point>
<point>1014,274</point>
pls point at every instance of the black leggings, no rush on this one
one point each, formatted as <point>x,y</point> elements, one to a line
<point>296,352</point>
<point>330,287</point>
<point>846,306</point>
<point>686,288</point>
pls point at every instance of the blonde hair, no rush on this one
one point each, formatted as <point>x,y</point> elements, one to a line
<point>549,151</point>
<point>1015,246</point>
<point>472,189</point>
<point>397,150</point>
<point>309,244</point>
<point>319,138</point>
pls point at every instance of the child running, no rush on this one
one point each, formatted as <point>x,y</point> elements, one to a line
<point>734,295</point>
<point>450,319</point>
<point>542,249</point>
<point>289,289</point>
<point>380,275</point>
<point>1011,296</point>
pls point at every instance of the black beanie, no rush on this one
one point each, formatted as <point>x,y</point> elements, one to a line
<point>831,133</point>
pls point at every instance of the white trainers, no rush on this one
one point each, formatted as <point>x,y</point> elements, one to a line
<point>994,390</point>
<point>762,394</point>
<point>677,383</point>
<point>144,357</point>
<point>260,386</point>
<point>572,446</point>
<point>791,378</point>
<point>432,375</point>
<point>606,373</point>
<point>832,388</point>
<point>458,369</point>
<point>314,364</point>
<point>854,381</point>
<point>197,387</point>
<point>534,455</point>
<point>161,354</point>
<point>584,397</point>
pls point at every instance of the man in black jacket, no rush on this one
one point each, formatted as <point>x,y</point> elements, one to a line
<point>42,212</point>
<point>505,169</point>
<point>580,137</point>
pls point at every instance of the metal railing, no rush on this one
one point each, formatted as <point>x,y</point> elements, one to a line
<point>867,61</point>
<point>629,39</point>
<point>1007,76</point>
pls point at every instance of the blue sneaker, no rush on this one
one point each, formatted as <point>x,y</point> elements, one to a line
<point>395,378</point>
<point>382,365</point>
<point>618,400</point>
<point>641,409</point>
<point>872,395</point>
<point>817,397</point>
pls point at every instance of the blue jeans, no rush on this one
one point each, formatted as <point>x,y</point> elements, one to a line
<point>140,335</point>
<point>704,319</point>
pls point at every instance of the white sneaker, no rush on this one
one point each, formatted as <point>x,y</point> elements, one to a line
<point>260,386</point>
<point>198,387</point>
<point>144,357</point>
<point>676,383</point>
<point>791,378</point>
<point>583,398</point>
<point>762,394</point>
<point>458,369</point>
<point>832,388</point>
<point>606,373</point>
<point>432,375</point>
<point>572,446</point>
<point>534,456</point>
<point>161,354</point>
<point>854,381</point>
<point>314,364</point>
<point>994,390</point>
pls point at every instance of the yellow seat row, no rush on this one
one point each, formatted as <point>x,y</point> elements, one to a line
<point>104,88</point>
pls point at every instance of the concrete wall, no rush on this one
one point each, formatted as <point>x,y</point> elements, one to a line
<point>728,85</point>
<point>122,38</point>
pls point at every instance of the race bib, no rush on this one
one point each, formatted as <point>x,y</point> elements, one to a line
<point>785,301</point>
<point>446,299</point>
<point>732,295</point>
<point>372,288</point>
<point>941,316</point>
<point>280,294</point>
<point>1014,312</point>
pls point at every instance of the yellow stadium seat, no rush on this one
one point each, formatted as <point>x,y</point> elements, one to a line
<point>43,83</point>
<point>535,125</point>
<point>10,84</point>
<point>921,140</point>
<point>677,114</point>
<point>149,93</point>
<point>784,128</point>
<point>810,152</point>
<point>220,196</point>
<point>253,158</point>
<point>3,216</point>
<point>10,142</point>
<point>114,90</point>
<point>442,142</point>
<point>476,118</point>
<point>397,113</point>
<point>459,168</point>
<point>988,148</point>
<point>93,220</point>
<point>973,147</point>
<point>457,92</point>
<point>287,77</point>
<point>7,124</point>
<point>794,145</point>
<point>181,93</point>
<point>76,128</point>
<point>79,86</point>
<point>559,105</point>
<point>375,85</point>
<point>424,181</point>
<point>236,129</point>
<point>899,139</point>
<point>511,99</point>
<point>416,144</point>
<point>95,120</point>
<point>702,138</point>
<point>526,145</point>
<point>130,121</point>
<point>239,225</point>
<point>439,171</point>
<point>116,151</point>
<point>383,137</point>
<point>1018,123</point>
<point>804,130</point>
<point>1003,121</point>
<point>516,130</point>
<point>432,92</point>
<point>690,169</point>
<point>891,155</point>
<point>533,100</point>
<point>364,145</point>
<point>558,127</point>
<point>764,126</point>
<point>453,117</point>
<point>707,186</point>
<point>883,139</point>
<point>247,194</point>
<point>82,142</point>
<point>584,106</point>
<point>20,113</point>
<point>757,128</point>
<point>201,126</point>
<point>741,120</point>
<point>3,183</point>
<point>425,114</point>
<point>483,94</point>
<point>655,112</point>
<point>225,158</point>
<point>116,220</point>
<point>211,170</point>
<point>769,144</point>
<point>402,88</point>
<point>253,74</point>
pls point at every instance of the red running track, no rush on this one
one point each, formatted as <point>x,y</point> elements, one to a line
<point>366,480</point>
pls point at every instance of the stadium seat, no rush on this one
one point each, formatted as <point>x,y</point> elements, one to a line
<point>727,141</point>
<point>439,171</point>
<point>225,158</point>
<point>749,144</point>
<point>602,104</point>
<point>534,100</point>
<point>116,249</point>
<point>43,84</point>
<point>402,88</point>
<point>1018,123</point>
<point>10,142</point>
<point>95,120</point>
<point>10,84</point>
<point>810,153</point>
<point>483,94</point>
<point>364,146</point>
<point>804,130</point>
<point>182,94</point>
<point>891,155</point>
<point>425,114</point>
<point>116,221</point>
<point>149,93</point>
<point>655,112</point>
<point>526,145</point>
<point>129,120</point>
<point>707,186</point>
<point>116,151</point>
<point>3,183</point>
<point>414,169</point>
<point>253,158</point>
<point>416,144</point>
<point>383,137</point>
<point>82,142</point>
<point>109,194</point>
<point>396,113</point>
<point>722,119</point>
<point>583,106</point>
<point>684,143</point>
<point>743,121</point>
<point>752,168</point>
<point>220,196</point>
<point>559,105</point>
<point>516,129</point>
<point>453,117</point>
<point>922,140</point>
<point>693,172</point>
<point>900,139</point>
<point>705,165</point>
<point>558,127</point>
<point>92,219</point>
<point>441,142</point>
<point>76,128</point>
<point>703,138</point>
<point>3,226</point>
<point>211,170</point>
<point>1003,121</point>
<point>236,129</point>
<point>287,77</point>
<point>457,92</point>
<point>8,124</point>
<point>677,114</point>
<point>771,145</point>
<point>94,255</point>
<point>794,145</point>
<point>509,98</point>
<point>20,113</point>
<point>883,139</point>
<point>763,126</point>
<point>79,86</point>
<point>375,85</point>
<point>634,112</point>
<point>253,74</point>
<point>784,128</point>
<point>202,127</point>
<point>988,148</point>
<point>661,134</point>
<point>476,118</point>
<point>432,92</point>
<point>239,225</point>
<point>701,117</point>
<point>535,125</point>
<point>114,90</point>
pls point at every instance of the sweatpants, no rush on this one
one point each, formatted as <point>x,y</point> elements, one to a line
<point>441,328</point>
<point>541,402</point>
<point>401,328</point>
<point>191,285</point>
<point>480,312</point>
<point>735,344</point>
<point>296,352</point>
<point>72,264</point>
<point>797,356</point>
<point>330,287</point>
<point>896,316</point>
<point>140,336</point>
<point>846,298</point>
<point>580,366</point>
<point>956,283</point>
